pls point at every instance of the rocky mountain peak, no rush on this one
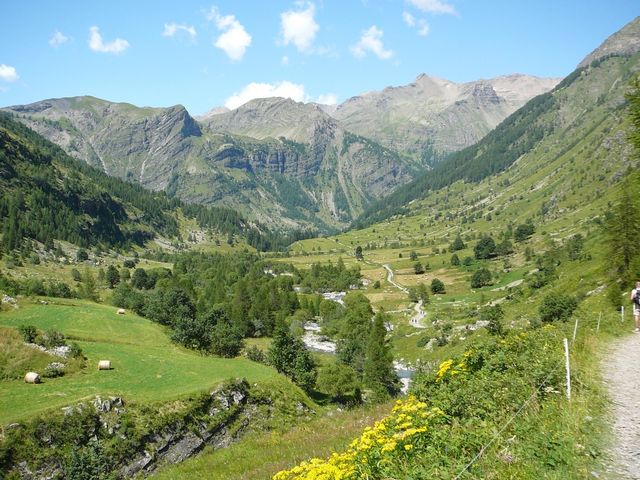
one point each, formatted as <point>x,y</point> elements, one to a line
<point>624,42</point>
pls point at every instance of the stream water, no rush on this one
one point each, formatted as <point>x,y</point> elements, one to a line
<point>317,342</point>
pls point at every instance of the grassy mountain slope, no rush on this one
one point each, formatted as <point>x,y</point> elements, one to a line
<point>585,104</point>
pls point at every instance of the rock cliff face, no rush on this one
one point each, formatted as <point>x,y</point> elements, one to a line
<point>283,163</point>
<point>432,117</point>
<point>624,42</point>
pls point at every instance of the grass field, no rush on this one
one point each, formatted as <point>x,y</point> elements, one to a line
<point>146,365</point>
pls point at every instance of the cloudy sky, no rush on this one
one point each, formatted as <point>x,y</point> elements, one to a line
<point>203,55</point>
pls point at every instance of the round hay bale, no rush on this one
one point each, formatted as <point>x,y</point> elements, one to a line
<point>104,365</point>
<point>121,311</point>
<point>32,377</point>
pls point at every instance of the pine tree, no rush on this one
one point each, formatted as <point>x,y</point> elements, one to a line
<point>379,375</point>
<point>623,229</point>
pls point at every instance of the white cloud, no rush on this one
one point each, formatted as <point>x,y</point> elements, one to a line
<point>327,99</point>
<point>234,39</point>
<point>97,44</point>
<point>282,89</point>
<point>371,41</point>
<point>409,19</point>
<point>299,27</point>
<point>8,73</point>
<point>420,24</point>
<point>434,6</point>
<point>284,60</point>
<point>171,29</point>
<point>58,38</point>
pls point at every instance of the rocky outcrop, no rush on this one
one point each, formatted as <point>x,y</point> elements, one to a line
<point>624,42</point>
<point>432,117</point>
<point>216,419</point>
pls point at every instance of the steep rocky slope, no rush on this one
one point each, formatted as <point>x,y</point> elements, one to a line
<point>281,171</point>
<point>432,117</point>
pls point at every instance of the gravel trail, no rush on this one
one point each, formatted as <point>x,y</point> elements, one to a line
<point>621,371</point>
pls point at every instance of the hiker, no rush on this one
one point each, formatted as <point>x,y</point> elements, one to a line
<point>635,298</point>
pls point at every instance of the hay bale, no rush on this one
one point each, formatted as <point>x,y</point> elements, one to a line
<point>104,365</point>
<point>32,377</point>
<point>121,311</point>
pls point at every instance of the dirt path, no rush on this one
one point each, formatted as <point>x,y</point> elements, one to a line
<point>622,376</point>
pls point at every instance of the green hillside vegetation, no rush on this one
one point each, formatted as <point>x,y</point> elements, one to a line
<point>589,99</point>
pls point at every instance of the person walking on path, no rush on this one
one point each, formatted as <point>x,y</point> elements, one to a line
<point>635,298</point>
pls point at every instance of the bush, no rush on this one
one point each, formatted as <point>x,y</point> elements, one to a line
<point>455,261</point>
<point>255,354</point>
<point>485,248</point>
<point>52,339</point>
<point>524,231</point>
<point>557,306</point>
<point>437,286</point>
<point>53,370</point>
<point>226,341</point>
<point>28,333</point>
<point>480,278</point>
<point>494,315</point>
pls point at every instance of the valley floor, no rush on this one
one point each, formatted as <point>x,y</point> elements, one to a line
<point>621,372</point>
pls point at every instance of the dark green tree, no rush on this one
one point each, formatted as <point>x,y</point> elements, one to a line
<point>494,315</point>
<point>523,232</point>
<point>112,276</point>
<point>557,306</point>
<point>226,340</point>
<point>338,380</point>
<point>140,279</point>
<point>358,253</point>
<point>289,356</point>
<point>418,268</point>
<point>455,261</point>
<point>379,375</point>
<point>480,278</point>
<point>437,286</point>
<point>485,248</point>
<point>457,244</point>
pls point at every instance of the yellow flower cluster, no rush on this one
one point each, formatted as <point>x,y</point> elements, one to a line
<point>447,368</point>
<point>377,446</point>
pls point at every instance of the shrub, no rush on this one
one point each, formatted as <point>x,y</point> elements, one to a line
<point>485,248</point>
<point>455,261</point>
<point>52,339</point>
<point>557,306</point>
<point>437,286</point>
<point>494,315</point>
<point>28,333</point>
<point>524,231</point>
<point>256,354</point>
<point>480,278</point>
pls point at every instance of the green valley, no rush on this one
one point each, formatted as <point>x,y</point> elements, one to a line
<point>426,281</point>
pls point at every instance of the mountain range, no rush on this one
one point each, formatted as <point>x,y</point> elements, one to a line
<point>286,164</point>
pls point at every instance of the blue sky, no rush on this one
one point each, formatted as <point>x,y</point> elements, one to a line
<point>205,54</point>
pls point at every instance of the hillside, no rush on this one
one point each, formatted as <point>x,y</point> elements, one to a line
<point>585,108</point>
<point>314,175</point>
<point>285,164</point>
<point>432,117</point>
<point>47,195</point>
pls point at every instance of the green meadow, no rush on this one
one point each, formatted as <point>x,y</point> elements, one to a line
<point>146,365</point>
